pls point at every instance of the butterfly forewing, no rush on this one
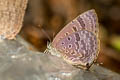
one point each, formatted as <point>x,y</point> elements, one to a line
<point>86,21</point>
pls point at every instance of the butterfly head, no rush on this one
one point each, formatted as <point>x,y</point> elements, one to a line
<point>52,51</point>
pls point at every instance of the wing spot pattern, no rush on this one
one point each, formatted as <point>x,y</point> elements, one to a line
<point>91,21</point>
<point>74,28</point>
<point>81,22</point>
<point>70,46</point>
<point>69,38</point>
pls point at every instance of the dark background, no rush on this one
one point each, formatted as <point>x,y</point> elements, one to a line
<point>47,17</point>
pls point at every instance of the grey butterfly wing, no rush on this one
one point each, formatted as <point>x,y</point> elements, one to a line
<point>86,21</point>
<point>79,48</point>
<point>89,21</point>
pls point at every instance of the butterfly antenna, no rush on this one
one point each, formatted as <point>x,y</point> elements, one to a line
<point>53,34</point>
<point>44,32</point>
<point>46,35</point>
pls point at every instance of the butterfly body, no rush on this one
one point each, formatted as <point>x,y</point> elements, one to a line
<point>77,43</point>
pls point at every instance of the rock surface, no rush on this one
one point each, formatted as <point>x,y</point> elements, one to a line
<point>17,62</point>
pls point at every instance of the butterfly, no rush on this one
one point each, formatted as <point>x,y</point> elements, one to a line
<point>78,42</point>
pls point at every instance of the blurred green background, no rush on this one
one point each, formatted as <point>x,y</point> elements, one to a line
<point>50,16</point>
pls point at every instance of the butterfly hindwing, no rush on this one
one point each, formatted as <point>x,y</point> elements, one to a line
<point>79,48</point>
